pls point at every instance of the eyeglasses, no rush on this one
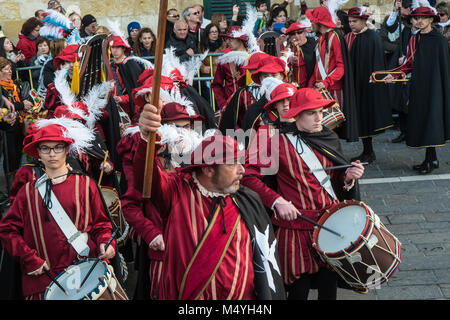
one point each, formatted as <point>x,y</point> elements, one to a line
<point>214,31</point>
<point>173,15</point>
<point>297,32</point>
<point>196,13</point>
<point>442,14</point>
<point>59,148</point>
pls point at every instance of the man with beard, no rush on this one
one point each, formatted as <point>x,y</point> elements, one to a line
<point>428,123</point>
<point>298,190</point>
<point>219,244</point>
<point>367,56</point>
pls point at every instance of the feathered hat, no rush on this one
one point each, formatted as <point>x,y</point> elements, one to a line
<point>358,12</point>
<point>72,132</point>
<point>58,26</point>
<point>89,109</point>
<point>119,38</point>
<point>333,6</point>
<point>423,8</point>
<point>179,107</point>
<point>276,90</point>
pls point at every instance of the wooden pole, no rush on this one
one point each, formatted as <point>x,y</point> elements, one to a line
<point>150,154</point>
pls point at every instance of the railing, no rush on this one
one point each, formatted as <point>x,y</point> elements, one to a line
<point>197,79</point>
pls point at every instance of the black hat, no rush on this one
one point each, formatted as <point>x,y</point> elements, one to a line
<point>406,3</point>
<point>87,20</point>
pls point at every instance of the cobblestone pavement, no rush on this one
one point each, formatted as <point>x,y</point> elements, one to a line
<point>416,209</point>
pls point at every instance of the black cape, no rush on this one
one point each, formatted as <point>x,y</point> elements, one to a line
<point>229,118</point>
<point>429,104</point>
<point>253,213</point>
<point>372,99</point>
<point>129,72</point>
<point>349,129</point>
<point>201,106</point>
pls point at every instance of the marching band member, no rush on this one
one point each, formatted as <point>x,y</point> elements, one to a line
<point>367,56</point>
<point>219,245</point>
<point>178,119</point>
<point>300,55</point>
<point>229,68</point>
<point>332,71</point>
<point>29,231</point>
<point>428,123</point>
<point>234,114</point>
<point>301,146</point>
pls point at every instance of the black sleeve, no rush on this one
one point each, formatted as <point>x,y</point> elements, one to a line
<point>49,73</point>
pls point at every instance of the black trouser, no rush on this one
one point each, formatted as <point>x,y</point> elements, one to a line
<point>325,279</point>
<point>402,122</point>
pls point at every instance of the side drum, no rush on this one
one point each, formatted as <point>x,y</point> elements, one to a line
<point>367,255</point>
<point>111,197</point>
<point>101,284</point>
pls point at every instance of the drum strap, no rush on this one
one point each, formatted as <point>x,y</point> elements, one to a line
<point>322,71</point>
<point>77,239</point>
<point>308,156</point>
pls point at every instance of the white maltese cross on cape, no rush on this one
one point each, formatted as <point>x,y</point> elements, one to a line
<point>267,254</point>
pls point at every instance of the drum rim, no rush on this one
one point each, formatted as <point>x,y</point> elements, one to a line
<point>102,285</point>
<point>355,245</point>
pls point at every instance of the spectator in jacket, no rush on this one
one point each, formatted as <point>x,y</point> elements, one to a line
<point>184,43</point>
<point>28,35</point>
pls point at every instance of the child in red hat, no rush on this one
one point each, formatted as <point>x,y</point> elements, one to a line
<point>49,249</point>
<point>297,191</point>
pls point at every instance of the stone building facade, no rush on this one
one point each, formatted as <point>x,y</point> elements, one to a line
<point>14,12</point>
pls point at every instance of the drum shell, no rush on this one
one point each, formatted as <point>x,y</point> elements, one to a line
<point>371,260</point>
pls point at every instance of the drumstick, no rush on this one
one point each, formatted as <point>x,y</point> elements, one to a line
<point>98,259</point>
<point>55,281</point>
<point>341,166</point>
<point>101,172</point>
<point>320,225</point>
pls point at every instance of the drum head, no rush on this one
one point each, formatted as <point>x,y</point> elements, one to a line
<point>349,221</point>
<point>71,278</point>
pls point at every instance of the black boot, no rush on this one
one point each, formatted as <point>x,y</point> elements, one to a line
<point>401,137</point>
<point>430,163</point>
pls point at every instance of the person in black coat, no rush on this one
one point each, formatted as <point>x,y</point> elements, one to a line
<point>184,43</point>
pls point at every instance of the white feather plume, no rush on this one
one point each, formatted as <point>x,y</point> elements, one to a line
<point>171,62</point>
<point>177,97</point>
<point>422,3</point>
<point>61,85</point>
<point>333,6</point>
<point>240,58</point>
<point>247,29</point>
<point>80,134</point>
<point>268,85</point>
<point>193,65</point>
<point>147,64</point>
<point>181,142</point>
<point>131,130</point>
<point>95,101</point>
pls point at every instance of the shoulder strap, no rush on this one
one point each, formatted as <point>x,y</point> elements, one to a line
<point>77,239</point>
<point>313,163</point>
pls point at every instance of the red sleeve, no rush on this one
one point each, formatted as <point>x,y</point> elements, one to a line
<point>24,174</point>
<point>164,185</point>
<point>28,48</point>
<point>218,86</point>
<point>408,65</point>
<point>132,201</point>
<point>11,230</point>
<point>259,159</point>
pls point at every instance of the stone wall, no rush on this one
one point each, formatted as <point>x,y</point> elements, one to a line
<point>14,12</point>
